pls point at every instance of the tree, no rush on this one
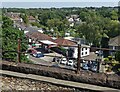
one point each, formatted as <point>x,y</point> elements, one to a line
<point>114,14</point>
<point>9,41</point>
<point>25,18</point>
<point>7,22</point>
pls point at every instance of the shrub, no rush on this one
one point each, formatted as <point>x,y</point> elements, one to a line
<point>117,56</point>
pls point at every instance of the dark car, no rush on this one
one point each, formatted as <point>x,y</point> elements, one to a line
<point>39,55</point>
<point>56,59</point>
<point>85,67</point>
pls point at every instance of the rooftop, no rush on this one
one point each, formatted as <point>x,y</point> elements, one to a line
<point>64,42</point>
<point>38,36</point>
<point>115,41</point>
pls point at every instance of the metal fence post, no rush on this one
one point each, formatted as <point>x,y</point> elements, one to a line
<point>78,59</point>
<point>19,44</point>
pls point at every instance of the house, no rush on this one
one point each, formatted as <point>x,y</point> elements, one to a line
<point>70,20</point>
<point>73,51</point>
<point>85,48</point>
<point>20,26</point>
<point>72,47</point>
<point>33,29</point>
<point>36,37</point>
<point>73,19</point>
<point>114,44</point>
<point>31,19</point>
<point>64,42</point>
<point>15,17</point>
<point>76,40</point>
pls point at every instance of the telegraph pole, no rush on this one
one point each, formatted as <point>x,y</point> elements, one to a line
<point>78,59</point>
<point>19,44</point>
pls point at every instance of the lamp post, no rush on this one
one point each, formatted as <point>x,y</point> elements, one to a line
<point>79,57</point>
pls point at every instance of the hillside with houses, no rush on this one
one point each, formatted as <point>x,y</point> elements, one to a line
<point>65,49</point>
<point>60,37</point>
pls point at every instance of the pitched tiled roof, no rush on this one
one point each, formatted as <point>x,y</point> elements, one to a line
<point>115,41</point>
<point>32,29</point>
<point>64,42</point>
<point>31,18</point>
<point>38,36</point>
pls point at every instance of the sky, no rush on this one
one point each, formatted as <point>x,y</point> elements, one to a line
<point>59,0</point>
<point>56,3</point>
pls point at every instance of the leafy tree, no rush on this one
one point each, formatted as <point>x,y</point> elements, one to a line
<point>25,18</point>
<point>7,22</point>
<point>9,41</point>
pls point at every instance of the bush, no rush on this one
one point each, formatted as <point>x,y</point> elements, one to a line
<point>110,57</point>
<point>106,60</point>
<point>117,56</point>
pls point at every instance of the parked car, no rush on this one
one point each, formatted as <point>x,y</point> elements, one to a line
<point>56,59</point>
<point>38,55</point>
<point>63,61</point>
<point>94,63</point>
<point>70,63</point>
<point>93,68</point>
<point>85,66</point>
<point>34,55</point>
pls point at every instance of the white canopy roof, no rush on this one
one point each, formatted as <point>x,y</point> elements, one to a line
<point>47,42</point>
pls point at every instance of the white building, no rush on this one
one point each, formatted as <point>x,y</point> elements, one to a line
<point>71,20</point>
<point>85,51</point>
<point>73,51</point>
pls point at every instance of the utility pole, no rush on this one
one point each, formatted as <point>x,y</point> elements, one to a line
<point>19,44</point>
<point>78,59</point>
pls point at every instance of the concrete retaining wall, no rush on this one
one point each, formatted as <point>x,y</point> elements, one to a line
<point>85,76</point>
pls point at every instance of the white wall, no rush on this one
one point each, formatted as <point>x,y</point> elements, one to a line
<point>84,52</point>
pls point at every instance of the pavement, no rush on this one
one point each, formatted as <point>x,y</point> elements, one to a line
<point>59,82</point>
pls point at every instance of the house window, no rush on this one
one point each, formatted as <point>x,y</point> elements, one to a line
<point>85,52</point>
<point>82,53</point>
<point>86,48</point>
<point>82,49</point>
<point>113,47</point>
